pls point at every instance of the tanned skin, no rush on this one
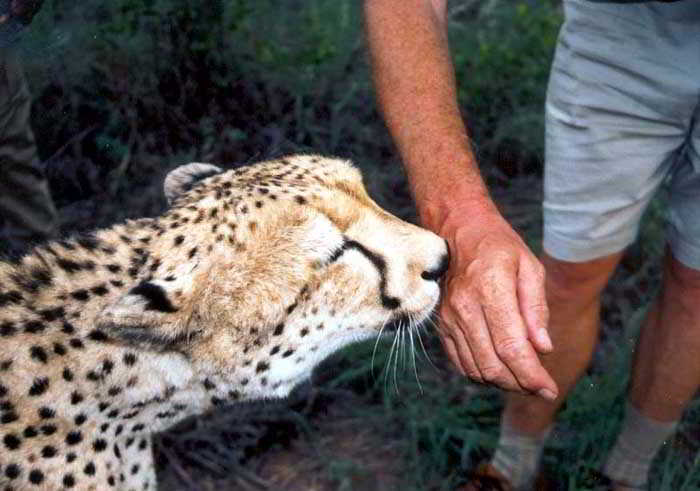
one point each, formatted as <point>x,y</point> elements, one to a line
<point>494,314</point>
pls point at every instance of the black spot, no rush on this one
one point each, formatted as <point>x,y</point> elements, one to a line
<point>143,444</point>
<point>107,366</point>
<point>304,332</point>
<point>36,476</point>
<point>157,299</point>
<point>49,451</point>
<point>3,391</point>
<point>288,353</point>
<point>34,327</point>
<point>59,349</point>
<point>117,283</point>
<point>114,268</point>
<point>138,427</point>
<point>48,429</point>
<point>67,375</point>
<point>99,290</point>
<point>80,295</point>
<point>46,412</point>
<point>274,350</point>
<point>89,469</point>
<point>39,354</point>
<point>129,359</point>
<point>68,328</point>
<point>118,430</point>
<point>80,419</point>
<point>97,335</point>
<point>300,199</point>
<point>291,308</point>
<point>13,471</point>
<point>113,413</point>
<point>113,391</point>
<point>13,296</point>
<point>117,452</point>
<point>102,406</point>
<point>76,398</point>
<point>74,437</point>
<point>30,432</point>
<point>68,266</point>
<point>71,457</point>
<point>76,343</point>
<point>39,386</point>
<point>7,329</point>
<point>279,328</point>
<point>50,315</point>
<point>87,242</point>
<point>99,445</point>
<point>12,441</point>
<point>68,480</point>
<point>5,365</point>
<point>179,240</point>
<point>111,481</point>
<point>9,417</point>
<point>262,366</point>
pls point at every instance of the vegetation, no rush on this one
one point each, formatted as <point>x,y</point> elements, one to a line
<point>127,89</point>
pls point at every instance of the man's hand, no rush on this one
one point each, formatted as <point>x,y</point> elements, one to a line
<point>494,312</point>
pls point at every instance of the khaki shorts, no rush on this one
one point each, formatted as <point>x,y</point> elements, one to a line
<point>622,113</point>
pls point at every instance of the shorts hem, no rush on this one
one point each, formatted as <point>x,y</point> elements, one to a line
<point>578,251</point>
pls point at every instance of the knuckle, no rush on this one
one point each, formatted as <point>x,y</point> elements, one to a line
<point>510,349</point>
<point>493,374</point>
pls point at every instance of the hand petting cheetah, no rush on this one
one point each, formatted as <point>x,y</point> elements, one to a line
<point>249,280</point>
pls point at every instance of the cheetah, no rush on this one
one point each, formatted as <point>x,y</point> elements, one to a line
<point>250,278</point>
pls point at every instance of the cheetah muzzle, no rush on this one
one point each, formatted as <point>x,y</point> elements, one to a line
<point>249,280</point>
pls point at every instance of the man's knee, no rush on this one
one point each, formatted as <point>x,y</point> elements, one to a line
<point>577,282</point>
<point>682,281</point>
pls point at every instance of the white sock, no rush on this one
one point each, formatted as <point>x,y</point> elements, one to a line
<point>517,456</point>
<point>635,448</point>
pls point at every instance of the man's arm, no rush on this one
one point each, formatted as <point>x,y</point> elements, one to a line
<point>493,314</point>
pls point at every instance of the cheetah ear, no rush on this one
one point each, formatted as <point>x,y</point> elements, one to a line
<point>183,178</point>
<point>152,316</point>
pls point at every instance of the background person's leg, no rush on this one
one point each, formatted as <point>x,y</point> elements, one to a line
<point>27,213</point>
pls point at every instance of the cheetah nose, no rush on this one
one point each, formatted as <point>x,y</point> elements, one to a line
<point>436,273</point>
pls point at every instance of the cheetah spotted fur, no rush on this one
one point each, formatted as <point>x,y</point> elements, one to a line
<point>249,279</point>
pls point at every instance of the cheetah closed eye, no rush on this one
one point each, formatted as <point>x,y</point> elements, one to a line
<point>250,279</point>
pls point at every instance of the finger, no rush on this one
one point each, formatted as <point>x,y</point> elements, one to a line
<point>509,335</point>
<point>451,350</point>
<point>533,302</point>
<point>463,361</point>
<point>475,335</point>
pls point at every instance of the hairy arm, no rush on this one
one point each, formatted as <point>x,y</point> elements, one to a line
<point>493,313</point>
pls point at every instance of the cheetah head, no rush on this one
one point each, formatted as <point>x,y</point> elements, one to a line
<point>266,270</point>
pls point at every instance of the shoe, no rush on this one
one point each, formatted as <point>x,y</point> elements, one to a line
<point>486,478</point>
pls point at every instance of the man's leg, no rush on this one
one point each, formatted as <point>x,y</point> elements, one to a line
<point>666,374</point>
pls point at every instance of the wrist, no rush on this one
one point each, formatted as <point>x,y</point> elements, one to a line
<point>447,209</point>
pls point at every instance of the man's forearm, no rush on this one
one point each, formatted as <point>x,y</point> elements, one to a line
<point>415,83</point>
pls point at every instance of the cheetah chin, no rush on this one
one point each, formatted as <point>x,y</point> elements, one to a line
<point>249,280</point>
